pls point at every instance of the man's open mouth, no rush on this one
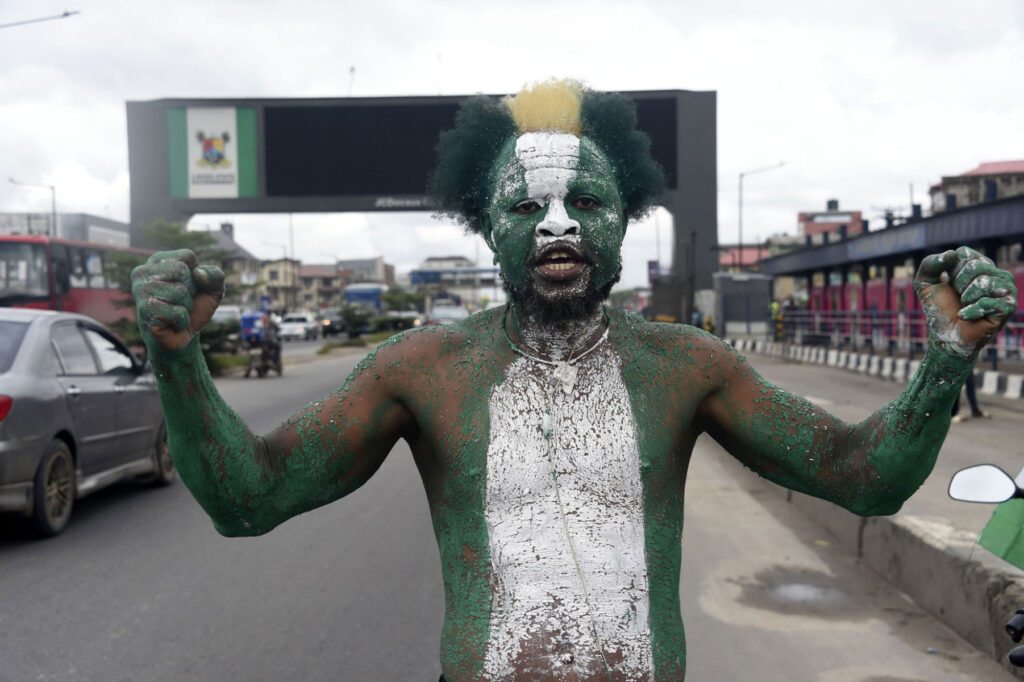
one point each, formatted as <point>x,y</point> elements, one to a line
<point>560,262</point>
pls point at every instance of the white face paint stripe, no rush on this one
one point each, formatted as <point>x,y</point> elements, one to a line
<point>538,601</point>
<point>550,160</point>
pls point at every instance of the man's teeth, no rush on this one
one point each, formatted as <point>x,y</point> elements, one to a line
<point>558,266</point>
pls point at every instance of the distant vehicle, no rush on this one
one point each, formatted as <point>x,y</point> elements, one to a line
<point>299,326</point>
<point>449,314</point>
<point>61,274</point>
<point>331,323</point>
<point>78,412</point>
<point>222,334</point>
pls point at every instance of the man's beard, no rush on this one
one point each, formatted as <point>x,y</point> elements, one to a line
<point>560,306</point>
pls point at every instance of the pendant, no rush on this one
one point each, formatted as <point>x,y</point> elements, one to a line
<point>545,425</point>
<point>566,375</point>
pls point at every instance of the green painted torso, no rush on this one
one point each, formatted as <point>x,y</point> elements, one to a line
<point>466,363</point>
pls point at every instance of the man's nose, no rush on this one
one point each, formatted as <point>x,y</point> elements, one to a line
<point>557,222</point>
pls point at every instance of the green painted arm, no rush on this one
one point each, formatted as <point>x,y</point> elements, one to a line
<point>874,466</point>
<point>249,484</point>
<point>869,468</point>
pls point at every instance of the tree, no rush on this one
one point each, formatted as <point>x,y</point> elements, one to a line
<point>398,299</point>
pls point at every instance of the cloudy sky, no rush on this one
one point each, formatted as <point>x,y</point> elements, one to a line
<point>861,102</point>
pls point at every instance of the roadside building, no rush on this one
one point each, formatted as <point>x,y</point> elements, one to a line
<point>242,270</point>
<point>322,287</point>
<point>82,227</point>
<point>990,181</point>
<point>279,281</point>
<point>457,279</point>
<point>819,227</point>
<point>369,270</point>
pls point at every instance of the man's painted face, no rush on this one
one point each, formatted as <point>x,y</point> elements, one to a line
<point>555,219</point>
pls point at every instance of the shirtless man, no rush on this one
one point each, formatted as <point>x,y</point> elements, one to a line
<point>553,434</point>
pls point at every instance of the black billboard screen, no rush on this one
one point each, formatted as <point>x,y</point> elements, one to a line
<point>352,150</point>
<point>388,149</point>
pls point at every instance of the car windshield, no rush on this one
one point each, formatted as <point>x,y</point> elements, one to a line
<point>296,318</point>
<point>11,334</point>
<point>23,271</point>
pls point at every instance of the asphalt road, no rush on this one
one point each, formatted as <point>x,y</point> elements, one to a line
<point>140,587</point>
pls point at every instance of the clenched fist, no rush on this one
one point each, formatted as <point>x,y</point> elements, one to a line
<point>175,297</point>
<point>966,299</point>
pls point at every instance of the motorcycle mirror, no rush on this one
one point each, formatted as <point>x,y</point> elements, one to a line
<point>982,483</point>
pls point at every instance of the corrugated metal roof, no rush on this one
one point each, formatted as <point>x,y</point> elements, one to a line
<point>997,167</point>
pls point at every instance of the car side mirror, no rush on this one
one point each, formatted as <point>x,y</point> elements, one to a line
<point>983,483</point>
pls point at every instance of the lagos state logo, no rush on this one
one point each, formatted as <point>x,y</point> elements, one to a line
<point>213,150</point>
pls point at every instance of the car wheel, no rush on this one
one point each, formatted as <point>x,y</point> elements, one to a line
<point>54,491</point>
<point>165,473</point>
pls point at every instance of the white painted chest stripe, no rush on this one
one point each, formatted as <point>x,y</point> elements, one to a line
<point>538,601</point>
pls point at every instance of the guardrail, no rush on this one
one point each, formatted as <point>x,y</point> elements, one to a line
<point>881,332</point>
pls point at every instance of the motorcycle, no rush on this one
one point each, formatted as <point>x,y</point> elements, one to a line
<point>264,349</point>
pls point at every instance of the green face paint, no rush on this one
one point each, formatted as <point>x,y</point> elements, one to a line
<point>555,188</point>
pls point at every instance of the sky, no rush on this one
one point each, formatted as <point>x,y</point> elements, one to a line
<point>869,103</point>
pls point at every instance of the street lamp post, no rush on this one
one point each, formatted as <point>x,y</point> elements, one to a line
<point>780,164</point>
<point>53,202</point>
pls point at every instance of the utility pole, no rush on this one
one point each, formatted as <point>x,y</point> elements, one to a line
<point>780,164</point>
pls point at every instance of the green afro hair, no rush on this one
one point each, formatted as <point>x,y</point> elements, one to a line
<point>609,119</point>
<point>466,155</point>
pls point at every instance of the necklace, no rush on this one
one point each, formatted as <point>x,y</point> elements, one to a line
<point>566,371</point>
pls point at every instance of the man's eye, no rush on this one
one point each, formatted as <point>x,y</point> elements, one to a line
<point>585,203</point>
<point>526,208</point>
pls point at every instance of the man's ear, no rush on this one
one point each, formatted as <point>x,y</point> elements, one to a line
<point>487,230</point>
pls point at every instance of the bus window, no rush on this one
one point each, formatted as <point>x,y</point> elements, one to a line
<point>23,271</point>
<point>79,280</point>
<point>94,268</point>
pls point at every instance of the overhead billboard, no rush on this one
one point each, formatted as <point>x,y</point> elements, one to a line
<point>189,156</point>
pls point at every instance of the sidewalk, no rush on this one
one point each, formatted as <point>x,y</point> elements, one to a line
<point>927,550</point>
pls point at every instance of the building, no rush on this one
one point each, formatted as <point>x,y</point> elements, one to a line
<point>242,270</point>
<point>733,258</point>
<point>322,287</point>
<point>369,270</point>
<point>990,181</point>
<point>459,279</point>
<point>820,226</point>
<point>81,227</point>
<point>279,281</point>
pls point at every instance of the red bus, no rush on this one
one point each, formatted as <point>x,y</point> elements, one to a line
<point>61,274</point>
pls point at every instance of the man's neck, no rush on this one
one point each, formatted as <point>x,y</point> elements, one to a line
<point>559,340</point>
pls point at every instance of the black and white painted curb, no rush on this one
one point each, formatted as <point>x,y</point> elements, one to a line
<point>989,382</point>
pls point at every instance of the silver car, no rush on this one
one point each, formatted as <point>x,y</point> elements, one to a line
<point>78,412</point>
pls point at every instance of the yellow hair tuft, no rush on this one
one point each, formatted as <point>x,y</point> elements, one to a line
<point>553,105</point>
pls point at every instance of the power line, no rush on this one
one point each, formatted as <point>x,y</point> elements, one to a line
<point>67,13</point>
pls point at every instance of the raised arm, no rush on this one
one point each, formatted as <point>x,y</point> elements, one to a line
<point>249,484</point>
<point>874,466</point>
